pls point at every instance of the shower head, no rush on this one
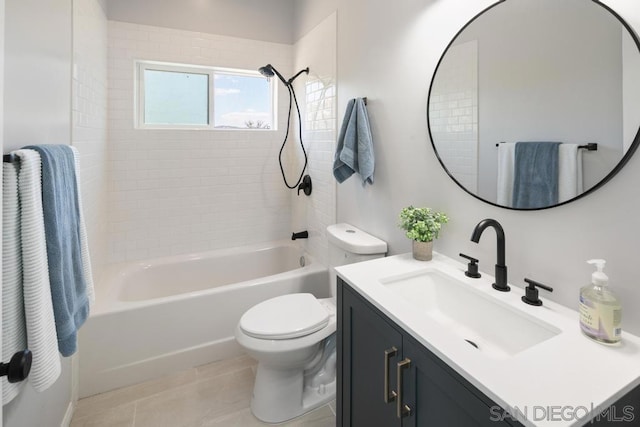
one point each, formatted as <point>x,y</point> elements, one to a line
<point>266,71</point>
<point>269,71</point>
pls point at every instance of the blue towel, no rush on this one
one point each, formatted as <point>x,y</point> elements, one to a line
<point>62,232</point>
<point>354,152</point>
<point>535,182</point>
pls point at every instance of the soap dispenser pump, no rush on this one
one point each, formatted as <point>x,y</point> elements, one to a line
<point>600,309</point>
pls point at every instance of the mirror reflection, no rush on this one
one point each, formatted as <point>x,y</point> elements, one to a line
<point>528,73</point>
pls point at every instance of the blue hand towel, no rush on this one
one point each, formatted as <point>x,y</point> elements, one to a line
<point>62,232</point>
<point>354,152</point>
<point>535,183</point>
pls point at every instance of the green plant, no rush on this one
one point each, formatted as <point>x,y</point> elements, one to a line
<point>422,224</point>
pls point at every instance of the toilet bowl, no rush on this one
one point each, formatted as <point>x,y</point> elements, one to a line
<point>295,374</point>
<point>293,337</point>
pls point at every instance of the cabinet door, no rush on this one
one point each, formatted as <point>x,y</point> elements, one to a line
<point>363,338</point>
<point>438,396</point>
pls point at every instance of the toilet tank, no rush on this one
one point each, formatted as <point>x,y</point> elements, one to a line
<point>348,244</point>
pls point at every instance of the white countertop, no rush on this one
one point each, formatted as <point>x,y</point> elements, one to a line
<point>563,381</point>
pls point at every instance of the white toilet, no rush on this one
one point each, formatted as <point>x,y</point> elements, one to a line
<point>293,337</point>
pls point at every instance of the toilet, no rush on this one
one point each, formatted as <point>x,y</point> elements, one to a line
<point>293,337</point>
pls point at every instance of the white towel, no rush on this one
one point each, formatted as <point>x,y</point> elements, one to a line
<point>569,172</point>
<point>14,333</point>
<point>84,243</point>
<point>506,161</point>
<point>40,324</point>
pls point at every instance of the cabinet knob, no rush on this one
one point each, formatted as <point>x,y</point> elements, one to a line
<point>389,395</point>
<point>402,409</point>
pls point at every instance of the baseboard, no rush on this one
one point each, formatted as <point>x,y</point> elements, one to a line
<point>68,415</point>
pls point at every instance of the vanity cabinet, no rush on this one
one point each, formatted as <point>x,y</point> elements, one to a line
<point>364,340</point>
<point>383,370</point>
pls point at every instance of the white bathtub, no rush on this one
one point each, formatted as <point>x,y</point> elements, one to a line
<point>164,315</point>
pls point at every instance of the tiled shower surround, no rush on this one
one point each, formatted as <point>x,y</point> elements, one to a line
<point>183,191</point>
<point>317,50</point>
<point>89,120</point>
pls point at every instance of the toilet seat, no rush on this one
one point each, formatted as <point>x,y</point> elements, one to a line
<point>285,317</point>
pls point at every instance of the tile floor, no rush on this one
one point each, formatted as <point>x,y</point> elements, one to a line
<point>217,394</point>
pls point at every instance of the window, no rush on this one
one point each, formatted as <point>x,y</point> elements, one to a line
<point>191,97</point>
<point>242,101</point>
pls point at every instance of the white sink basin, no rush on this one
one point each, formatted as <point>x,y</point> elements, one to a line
<point>497,330</point>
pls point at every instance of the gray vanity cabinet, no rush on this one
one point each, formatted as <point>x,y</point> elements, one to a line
<point>436,395</point>
<point>363,338</point>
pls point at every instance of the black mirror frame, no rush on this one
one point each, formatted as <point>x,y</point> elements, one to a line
<point>602,182</point>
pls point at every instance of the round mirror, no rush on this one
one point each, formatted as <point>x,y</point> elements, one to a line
<point>536,103</point>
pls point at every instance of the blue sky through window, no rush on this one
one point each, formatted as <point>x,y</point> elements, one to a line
<point>242,101</point>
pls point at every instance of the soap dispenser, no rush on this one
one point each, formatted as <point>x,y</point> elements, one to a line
<point>600,310</point>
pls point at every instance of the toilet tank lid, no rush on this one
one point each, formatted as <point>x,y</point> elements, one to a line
<point>354,240</point>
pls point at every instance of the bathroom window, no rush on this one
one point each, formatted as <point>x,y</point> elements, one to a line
<point>173,96</point>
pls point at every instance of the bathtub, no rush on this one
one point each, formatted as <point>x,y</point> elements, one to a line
<point>159,316</point>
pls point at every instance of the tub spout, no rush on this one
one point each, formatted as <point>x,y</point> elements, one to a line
<point>300,235</point>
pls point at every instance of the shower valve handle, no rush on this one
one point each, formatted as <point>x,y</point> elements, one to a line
<point>305,185</point>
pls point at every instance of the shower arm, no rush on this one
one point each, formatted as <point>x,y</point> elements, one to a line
<point>305,70</point>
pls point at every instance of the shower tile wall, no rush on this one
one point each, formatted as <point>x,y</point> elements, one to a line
<point>317,50</point>
<point>89,120</point>
<point>178,191</point>
<point>454,113</point>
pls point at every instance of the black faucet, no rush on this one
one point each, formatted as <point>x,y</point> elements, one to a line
<point>300,235</point>
<point>501,268</point>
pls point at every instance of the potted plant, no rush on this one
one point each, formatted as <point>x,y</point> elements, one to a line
<point>422,225</point>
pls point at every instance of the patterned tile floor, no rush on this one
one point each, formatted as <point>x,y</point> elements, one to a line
<point>217,394</point>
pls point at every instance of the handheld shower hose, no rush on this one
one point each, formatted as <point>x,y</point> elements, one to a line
<point>269,71</point>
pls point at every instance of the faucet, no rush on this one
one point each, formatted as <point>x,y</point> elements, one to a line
<point>300,235</point>
<point>501,268</point>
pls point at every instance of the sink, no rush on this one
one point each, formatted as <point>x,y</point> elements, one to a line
<point>493,327</point>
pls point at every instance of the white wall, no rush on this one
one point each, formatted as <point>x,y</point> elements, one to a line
<point>89,132</point>
<point>252,19</point>
<point>104,5</point>
<point>630,89</point>
<point>37,109</point>
<point>89,121</point>
<point>317,95</point>
<point>184,191</point>
<point>393,68</point>
<point>307,14</point>
<point>37,95</point>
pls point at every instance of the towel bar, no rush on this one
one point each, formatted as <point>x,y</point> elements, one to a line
<point>10,158</point>
<point>592,146</point>
<point>18,368</point>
